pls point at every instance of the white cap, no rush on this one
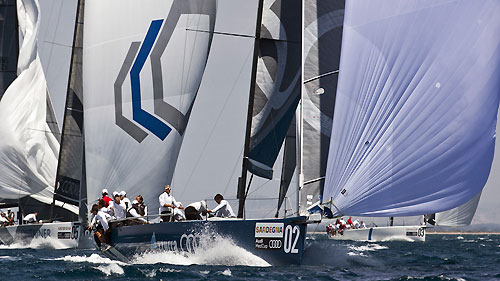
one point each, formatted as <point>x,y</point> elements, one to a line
<point>105,191</point>
<point>135,202</point>
<point>115,193</point>
<point>123,193</point>
<point>9,209</point>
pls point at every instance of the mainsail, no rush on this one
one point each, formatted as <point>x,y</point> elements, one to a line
<point>323,20</point>
<point>9,45</point>
<point>137,104</point>
<point>415,114</point>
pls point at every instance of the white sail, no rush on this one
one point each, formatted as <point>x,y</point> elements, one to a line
<point>142,67</point>
<point>55,38</point>
<point>211,155</point>
<point>28,148</point>
<point>415,115</point>
<point>459,216</point>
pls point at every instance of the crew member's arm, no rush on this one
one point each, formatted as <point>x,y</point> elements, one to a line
<point>134,213</point>
<point>104,222</point>
<point>163,202</point>
<point>222,204</point>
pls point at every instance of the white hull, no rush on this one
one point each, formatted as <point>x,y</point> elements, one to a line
<point>56,235</point>
<point>386,233</point>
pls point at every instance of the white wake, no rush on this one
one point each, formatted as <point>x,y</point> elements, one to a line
<point>212,250</point>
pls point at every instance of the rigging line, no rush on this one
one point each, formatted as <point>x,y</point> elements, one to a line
<point>232,173</point>
<point>58,44</point>
<point>222,33</point>
<point>217,120</point>
<point>46,131</point>
<point>242,35</point>
<point>260,186</point>
<point>320,76</point>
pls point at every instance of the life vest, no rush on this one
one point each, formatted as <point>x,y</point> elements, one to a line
<point>141,210</point>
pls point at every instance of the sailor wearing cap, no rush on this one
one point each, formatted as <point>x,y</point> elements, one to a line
<point>125,202</point>
<point>116,209</point>
<point>132,212</point>
<point>106,198</point>
<point>168,205</point>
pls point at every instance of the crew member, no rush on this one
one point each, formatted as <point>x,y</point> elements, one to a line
<point>223,210</point>
<point>3,219</point>
<point>169,206</point>
<point>100,221</point>
<point>143,209</point>
<point>106,198</point>
<point>124,201</point>
<point>117,210</point>
<point>195,210</point>
<point>10,216</point>
<point>132,212</point>
<point>31,218</point>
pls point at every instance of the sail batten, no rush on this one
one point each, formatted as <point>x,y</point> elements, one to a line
<point>415,114</point>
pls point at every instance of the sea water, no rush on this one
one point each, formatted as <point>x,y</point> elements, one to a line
<point>441,257</point>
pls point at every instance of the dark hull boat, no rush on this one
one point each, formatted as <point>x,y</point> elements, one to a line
<point>277,241</point>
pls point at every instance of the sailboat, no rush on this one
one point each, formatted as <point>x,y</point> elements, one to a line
<point>167,74</point>
<point>30,147</point>
<point>414,132</point>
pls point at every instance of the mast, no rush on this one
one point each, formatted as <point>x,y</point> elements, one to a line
<point>300,146</point>
<point>241,194</point>
<point>72,99</point>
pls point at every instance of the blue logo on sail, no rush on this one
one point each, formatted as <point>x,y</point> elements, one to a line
<point>148,121</point>
<point>139,115</point>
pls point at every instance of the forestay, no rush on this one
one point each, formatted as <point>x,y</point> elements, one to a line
<point>143,63</point>
<point>415,114</point>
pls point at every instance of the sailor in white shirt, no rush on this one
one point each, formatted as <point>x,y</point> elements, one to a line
<point>102,218</point>
<point>223,210</point>
<point>125,202</point>
<point>31,218</point>
<point>356,223</point>
<point>117,210</point>
<point>99,217</point>
<point>133,212</point>
<point>168,204</point>
<point>195,210</point>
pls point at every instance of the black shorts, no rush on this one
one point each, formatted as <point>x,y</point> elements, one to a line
<point>192,213</point>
